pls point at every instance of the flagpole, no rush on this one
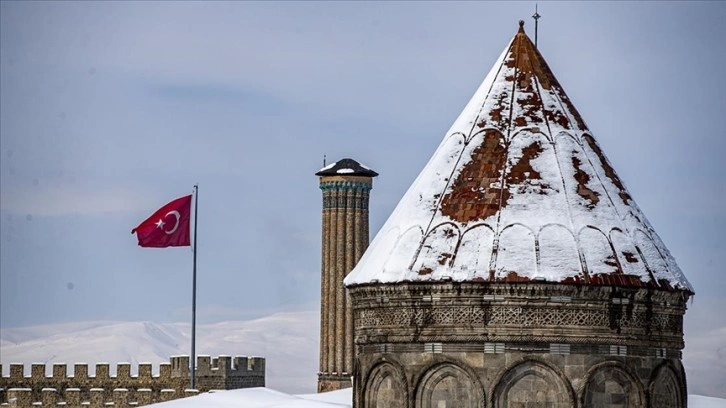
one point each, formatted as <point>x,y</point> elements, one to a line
<point>194,290</point>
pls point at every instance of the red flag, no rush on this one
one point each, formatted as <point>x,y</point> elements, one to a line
<point>168,226</point>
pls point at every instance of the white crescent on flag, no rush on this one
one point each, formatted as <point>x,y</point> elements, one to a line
<point>176,224</point>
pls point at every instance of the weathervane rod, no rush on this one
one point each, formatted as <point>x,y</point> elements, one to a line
<point>536,17</point>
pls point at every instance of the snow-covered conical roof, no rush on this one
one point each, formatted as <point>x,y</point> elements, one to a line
<point>519,191</point>
<point>346,167</point>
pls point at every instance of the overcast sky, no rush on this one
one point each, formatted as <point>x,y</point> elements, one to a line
<point>111,109</point>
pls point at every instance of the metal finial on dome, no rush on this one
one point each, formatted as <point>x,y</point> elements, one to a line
<point>521,26</point>
<point>536,16</point>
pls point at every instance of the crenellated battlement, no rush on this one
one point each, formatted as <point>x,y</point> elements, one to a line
<point>96,397</point>
<point>124,389</point>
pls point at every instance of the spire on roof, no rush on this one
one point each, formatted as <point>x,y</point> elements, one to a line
<point>519,190</point>
<point>536,18</point>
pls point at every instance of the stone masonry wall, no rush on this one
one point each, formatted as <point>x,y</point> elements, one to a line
<point>507,345</point>
<point>123,389</point>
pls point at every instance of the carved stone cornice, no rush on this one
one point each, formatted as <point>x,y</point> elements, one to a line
<point>506,312</point>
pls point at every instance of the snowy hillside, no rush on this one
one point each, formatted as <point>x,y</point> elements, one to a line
<point>289,342</point>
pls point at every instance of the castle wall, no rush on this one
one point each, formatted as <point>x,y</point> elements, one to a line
<point>124,389</point>
<point>514,345</point>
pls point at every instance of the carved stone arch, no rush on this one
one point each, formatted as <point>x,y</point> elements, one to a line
<point>358,383</point>
<point>486,131</point>
<point>666,388</point>
<point>514,224</point>
<point>611,384</point>
<point>532,132</point>
<point>437,249</point>
<point>598,252</point>
<point>463,136</point>
<point>516,255</point>
<point>533,383</point>
<point>403,251</point>
<point>474,254</point>
<point>558,253</point>
<point>448,385</point>
<point>385,387</point>
<point>568,135</point>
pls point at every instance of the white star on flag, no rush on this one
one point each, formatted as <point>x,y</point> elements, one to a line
<point>160,223</point>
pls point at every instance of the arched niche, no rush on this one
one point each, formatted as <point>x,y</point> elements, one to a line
<point>516,256</point>
<point>666,390</point>
<point>609,385</point>
<point>449,386</point>
<point>385,388</point>
<point>437,250</point>
<point>598,253</point>
<point>558,254</point>
<point>475,252</point>
<point>533,384</point>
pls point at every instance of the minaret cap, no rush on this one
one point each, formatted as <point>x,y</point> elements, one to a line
<point>521,26</point>
<point>346,167</point>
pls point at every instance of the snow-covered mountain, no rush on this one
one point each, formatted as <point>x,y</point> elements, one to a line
<point>288,340</point>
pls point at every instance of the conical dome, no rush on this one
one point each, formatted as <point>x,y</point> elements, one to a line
<point>518,191</point>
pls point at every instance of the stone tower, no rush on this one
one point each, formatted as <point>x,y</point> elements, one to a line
<point>517,270</point>
<point>346,185</point>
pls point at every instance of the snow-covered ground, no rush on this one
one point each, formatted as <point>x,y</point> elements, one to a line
<point>288,340</point>
<point>262,398</point>
<point>267,398</point>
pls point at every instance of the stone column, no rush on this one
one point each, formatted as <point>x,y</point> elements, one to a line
<point>345,188</point>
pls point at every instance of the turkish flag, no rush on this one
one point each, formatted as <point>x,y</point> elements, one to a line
<point>168,226</point>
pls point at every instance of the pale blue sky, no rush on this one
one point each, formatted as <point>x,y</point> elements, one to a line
<point>111,109</point>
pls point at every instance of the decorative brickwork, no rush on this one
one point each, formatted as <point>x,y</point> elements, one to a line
<point>123,389</point>
<point>519,345</point>
<point>345,238</point>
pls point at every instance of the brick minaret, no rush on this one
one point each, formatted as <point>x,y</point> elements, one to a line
<point>346,185</point>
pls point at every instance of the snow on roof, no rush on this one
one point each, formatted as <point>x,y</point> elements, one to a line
<point>348,167</point>
<point>519,190</point>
